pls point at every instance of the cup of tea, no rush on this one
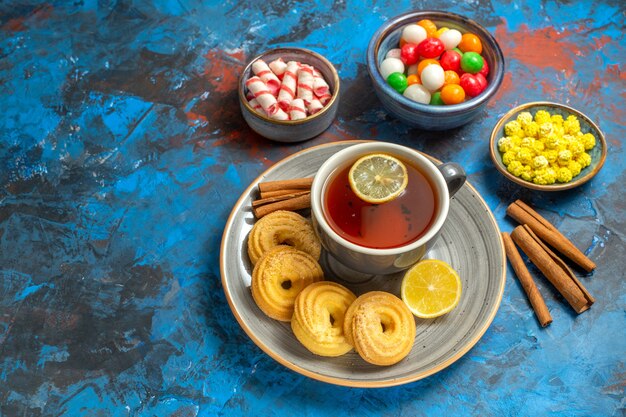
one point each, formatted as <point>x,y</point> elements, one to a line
<point>380,239</point>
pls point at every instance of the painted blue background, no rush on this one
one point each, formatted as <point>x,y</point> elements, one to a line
<point>122,152</point>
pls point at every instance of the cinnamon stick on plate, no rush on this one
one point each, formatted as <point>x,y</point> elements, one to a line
<point>524,214</point>
<point>290,184</point>
<point>291,194</point>
<point>554,269</point>
<point>524,277</point>
<point>291,204</point>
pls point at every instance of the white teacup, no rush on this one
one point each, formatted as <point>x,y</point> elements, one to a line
<point>446,179</point>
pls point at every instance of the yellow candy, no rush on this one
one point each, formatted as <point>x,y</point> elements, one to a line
<point>551,175</point>
<point>584,160</point>
<point>540,177</point>
<point>531,129</point>
<point>540,162</point>
<point>508,156</point>
<point>539,146</point>
<point>574,168</point>
<point>527,174</point>
<point>564,157</point>
<point>558,129</point>
<point>557,120</point>
<point>564,175</point>
<point>589,141</point>
<point>527,142</point>
<point>524,118</point>
<point>525,156</point>
<point>571,125</point>
<point>542,116</point>
<point>546,129</point>
<point>515,166</point>
<point>566,141</point>
<point>577,148</point>
<point>440,31</point>
<point>551,142</point>
<point>551,155</point>
<point>513,128</point>
<point>505,144</point>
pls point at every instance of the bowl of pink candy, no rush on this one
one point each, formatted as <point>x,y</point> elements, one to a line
<point>289,94</point>
<point>434,70</point>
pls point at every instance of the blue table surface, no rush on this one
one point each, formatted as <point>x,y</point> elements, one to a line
<point>123,151</point>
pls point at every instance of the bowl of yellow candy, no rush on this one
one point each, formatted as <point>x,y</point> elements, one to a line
<point>547,146</point>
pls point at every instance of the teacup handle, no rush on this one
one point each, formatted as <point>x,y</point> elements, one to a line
<point>454,175</point>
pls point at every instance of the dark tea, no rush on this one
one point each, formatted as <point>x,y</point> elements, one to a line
<point>388,225</point>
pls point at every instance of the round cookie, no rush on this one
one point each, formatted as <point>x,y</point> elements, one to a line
<point>279,276</point>
<point>282,228</point>
<point>318,318</point>
<point>380,327</point>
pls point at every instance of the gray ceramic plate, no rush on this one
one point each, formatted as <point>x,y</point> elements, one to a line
<point>470,241</point>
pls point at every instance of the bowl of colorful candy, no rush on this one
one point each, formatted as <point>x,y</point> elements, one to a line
<point>434,70</point>
<point>289,94</point>
<point>547,146</point>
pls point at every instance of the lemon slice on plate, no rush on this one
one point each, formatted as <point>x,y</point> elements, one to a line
<point>431,288</point>
<point>378,178</point>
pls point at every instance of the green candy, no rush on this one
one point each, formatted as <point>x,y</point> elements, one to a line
<point>459,51</point>
<point>472,62</point>
<point>436,100</point>
<point>397,81</point>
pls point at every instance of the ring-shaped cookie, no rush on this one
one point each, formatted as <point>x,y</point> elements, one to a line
<point>278,278</point>
<point>282,228</point>
<point>318,318</point>
<point>380,327</point>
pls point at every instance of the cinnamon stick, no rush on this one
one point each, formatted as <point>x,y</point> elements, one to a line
<point>293,183</point>
<point>267,200</point>
<point>524,214</point>
<point>278,193</point>
<point>553,271</point>
<point>562,264</point>
<point>291,204</point>
<point>534,296</point>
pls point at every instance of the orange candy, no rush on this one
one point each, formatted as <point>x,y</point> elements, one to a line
<point>413,79</point>
<point>451,77</point>
<point>470,43</point>
<point>429,26</point>
<point>452,94</point>
<point>424,63</point>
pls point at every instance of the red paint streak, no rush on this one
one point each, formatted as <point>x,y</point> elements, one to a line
<point>194,117</point>
<point>540,48</point>
<point>506,86</point>
<point>18,24</point>
<point>223,69</point>
<point>549,87</point>
<point>335,134</point>
<point>15,25</point>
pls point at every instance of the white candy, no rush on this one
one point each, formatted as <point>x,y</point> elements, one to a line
<point>417,92</point>
<point>413,33</point>
<point>432,77</point>
<point>394,53</point>
<point>391,65</point>
<point>450,38</point>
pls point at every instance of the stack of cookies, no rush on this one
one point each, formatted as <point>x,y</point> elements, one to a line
<point>327,318</point>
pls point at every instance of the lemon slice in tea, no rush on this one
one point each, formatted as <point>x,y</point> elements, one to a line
<point>431,288</point>
<point>378,178</point>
